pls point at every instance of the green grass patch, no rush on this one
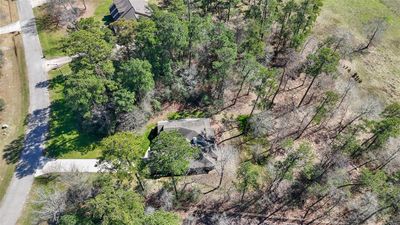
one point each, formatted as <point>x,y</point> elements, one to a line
<point>66,140</point>
<point>50,42</point>
<point>102,12</point>
<point>50,34</point>
<point>378,68</point>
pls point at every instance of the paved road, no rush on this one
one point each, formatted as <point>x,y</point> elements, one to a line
<point>12,27</point>
<point>31,157</point>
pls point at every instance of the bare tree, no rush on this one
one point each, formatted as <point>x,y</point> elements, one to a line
<point>375,30</point>
<point>51,204</point>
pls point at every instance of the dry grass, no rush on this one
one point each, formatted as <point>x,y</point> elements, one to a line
<point>380,67</point>
<point>14,90</point>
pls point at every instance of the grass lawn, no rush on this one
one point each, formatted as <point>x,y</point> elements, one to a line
<point>380,67</point>
<point>65,139</point>
<point>51,36</point>
<point>102,11</point>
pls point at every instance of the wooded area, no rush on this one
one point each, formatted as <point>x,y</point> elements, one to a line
<point>310,148</point>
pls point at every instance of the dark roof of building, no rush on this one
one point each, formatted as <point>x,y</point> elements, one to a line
<point>188,127</point>
<point>198,133</point>
<point>130,9</point>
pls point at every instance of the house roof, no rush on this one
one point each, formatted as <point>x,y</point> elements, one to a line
<point>139,7</point>
<point>199,133</point>
<point>190,128</point>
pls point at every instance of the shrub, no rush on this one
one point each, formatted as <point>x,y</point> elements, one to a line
<point>2,104</point>
<point>186,114</point>
<point>243,121</point>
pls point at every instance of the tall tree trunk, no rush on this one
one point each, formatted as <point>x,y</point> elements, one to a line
<point>279,86</point>
<point>311,120</point>
<point>373,214</point>
<point>139,181</point>
<point>311,206</point>
<point>254,106</point>
<point>174,184</point>
<point>308,89</point>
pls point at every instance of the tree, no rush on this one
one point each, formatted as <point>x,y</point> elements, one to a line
<point>172,39</point>
<point>170,155</point>
<point>199,28</point>
<point>325,60</point>
<point>162,218</point>
<point>295,20</point>
<point>91,44</point>
<point>122,154</point>
<point>146,39</point>
<point>374,29</point>
<point>83,93</point>
<point>306,15</point>
<point>264,11</point>
<point>217,60</point>
<point>322,111</point>
<point>381,130</point>
<point>248,176</point>
<point>125,31</point>
<point>136,76</point>
<point>264,83</point>
<point>253,42</point>
<point>116,206</point>
<point>52,204</point>
<point>1,58</point>
<point>249,67</point>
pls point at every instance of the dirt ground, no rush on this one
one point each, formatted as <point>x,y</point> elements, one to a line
<point>13,90</point>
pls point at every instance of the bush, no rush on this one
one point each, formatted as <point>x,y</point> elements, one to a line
<point>187,198</point>
<point>2,104</point>
<point>243,121</point>
<point>186,114</point>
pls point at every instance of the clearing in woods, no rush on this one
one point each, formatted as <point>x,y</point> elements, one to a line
<point>379,67</point>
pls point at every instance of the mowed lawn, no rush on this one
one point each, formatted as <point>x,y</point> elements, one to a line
<point>379,68</point>
<point>65,138</point>
<point>51,35</point>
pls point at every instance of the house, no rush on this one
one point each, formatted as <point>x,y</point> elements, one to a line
<point>198,133</point>
<point>129,9</point>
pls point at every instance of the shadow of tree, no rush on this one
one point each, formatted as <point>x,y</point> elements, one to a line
<point>65,133</point>
<point>47,22</point>
<point>57,80</point>
<point>12,151</point>
<point>31,156</point>
<point>107,20</point>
